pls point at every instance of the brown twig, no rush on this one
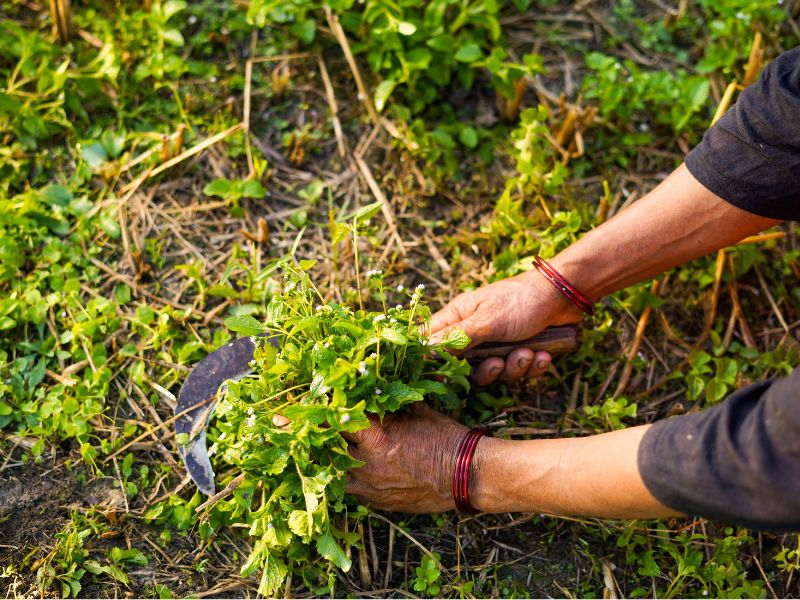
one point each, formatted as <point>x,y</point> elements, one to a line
<point>228,489</point>
<point>633,349</point>
<point>196,149</point>
<point>754,61</point>
<point>332,105</point>
<point>341,38</point>
<point>386,208</point>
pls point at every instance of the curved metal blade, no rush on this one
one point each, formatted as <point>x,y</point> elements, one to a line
<point>198,398</point>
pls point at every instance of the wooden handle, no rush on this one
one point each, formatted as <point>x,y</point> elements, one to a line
<point>553,340</point>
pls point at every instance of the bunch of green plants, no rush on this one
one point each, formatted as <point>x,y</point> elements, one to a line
<point>419,53</point>
<point>729,30</point>
<point>334,366</point>
<point>416,48</point>
<point>522,223</point>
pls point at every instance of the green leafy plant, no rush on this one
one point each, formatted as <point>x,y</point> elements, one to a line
<point>233,191</point>
<point>335,366</point>
<point>429,575</point>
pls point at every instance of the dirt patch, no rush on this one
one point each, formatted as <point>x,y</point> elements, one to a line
<point>33,504</point>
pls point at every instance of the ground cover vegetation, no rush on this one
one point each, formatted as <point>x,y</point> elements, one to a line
<point>161,166</point>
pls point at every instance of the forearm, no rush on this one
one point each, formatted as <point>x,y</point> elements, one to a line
<point>595,475</point>
<point>678,221</point>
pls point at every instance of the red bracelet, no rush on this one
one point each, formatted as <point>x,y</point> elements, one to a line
<point>563,286</point>
<point>466,450</point>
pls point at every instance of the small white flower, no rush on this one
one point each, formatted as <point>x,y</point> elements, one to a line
<point>401,288</point>
<point>260,440</point>
<point>705,592</point>
<point>63,314</point>
<point>327,344</point>
<point>250,411</point>
<point>399,307</point>
<point>379,318</point>
<point>192,19</point>
<point>270,526</point>
<point>362,365</point>
<point>392,320</point>
<point>415,296</point>
<point>378,391</point>
<point>318,307</point>
<point>373,355</point>
<point>345,418</point>
<point>251,422</point>
<point>363,372</point>
<point>420,288</point>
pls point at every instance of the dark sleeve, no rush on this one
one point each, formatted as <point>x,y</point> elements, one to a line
<point>738,461</point>
<point>751,156</point>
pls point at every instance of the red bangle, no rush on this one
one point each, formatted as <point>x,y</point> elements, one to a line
<point>563,286</point>
<point>466,450</point>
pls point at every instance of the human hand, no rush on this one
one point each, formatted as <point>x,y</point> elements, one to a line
<point>410,460</point>
<point>506,311</point>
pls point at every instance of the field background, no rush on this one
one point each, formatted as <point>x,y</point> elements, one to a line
<point>154,164</point>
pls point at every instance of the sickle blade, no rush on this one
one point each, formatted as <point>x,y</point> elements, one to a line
<point>197,399</point>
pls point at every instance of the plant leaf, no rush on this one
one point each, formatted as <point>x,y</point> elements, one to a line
<point>328,548</point>
<point>244,325</point>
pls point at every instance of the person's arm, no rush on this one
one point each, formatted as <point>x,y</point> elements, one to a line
<point>743,177</point>
<point>738,462</point>
<point>678,221</point>
<point>596,475</point>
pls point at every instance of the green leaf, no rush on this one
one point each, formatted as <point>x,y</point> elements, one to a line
<point>393,336</point>
<point>56,194</point>
<point>94,154</point>
<point>272,577</point>
<point>113,143</point>
<point>172,7</point>
<point>455,339</point>
<point>444,139</point>
<point>318,387</point>
<point>134,556</point>
<point>306,264</point>
<point>468,136</point>
<point>222,290</point>
<point>94,567</point>
<point>251,189</point>
<point>329,549</point>
<point>399,394</point>
<point>442,43</point>
<point>382,93</point>
<point>469,53</point>
<point>222,188</point>
<point>304,29</point>
<point>300,524</point>
<point>428,386</point>
<point>406,28</point>
<point>244,325</point>
<point>365,213</point>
